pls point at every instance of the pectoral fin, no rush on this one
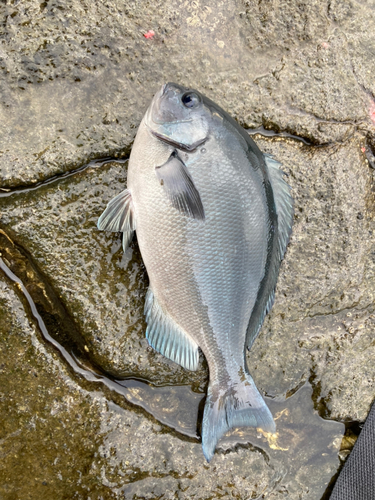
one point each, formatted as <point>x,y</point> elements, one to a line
<point>179,187</point>
<point>119,216</point>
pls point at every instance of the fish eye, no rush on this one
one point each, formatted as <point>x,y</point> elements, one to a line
<point>190,100</point>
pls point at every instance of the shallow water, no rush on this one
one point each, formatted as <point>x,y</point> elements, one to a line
<point>304,444</point>
<point>176,407</point>
<point>303,441</point>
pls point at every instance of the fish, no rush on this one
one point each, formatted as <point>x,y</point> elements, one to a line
<point>213,217</point>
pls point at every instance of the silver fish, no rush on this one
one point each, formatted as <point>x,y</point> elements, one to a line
<point>213,217</point>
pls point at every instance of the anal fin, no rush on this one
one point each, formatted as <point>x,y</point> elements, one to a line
<point>166,337</point>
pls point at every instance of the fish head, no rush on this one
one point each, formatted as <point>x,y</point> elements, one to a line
<point>178,116</point>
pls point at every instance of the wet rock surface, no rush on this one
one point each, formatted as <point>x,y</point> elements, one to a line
<point>321,325</point>
<point>102,288</point>
<point>105,416</point>
<point>77,76</point>
<point>67,438</point>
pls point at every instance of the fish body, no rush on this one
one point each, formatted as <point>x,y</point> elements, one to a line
<point>213,216</point>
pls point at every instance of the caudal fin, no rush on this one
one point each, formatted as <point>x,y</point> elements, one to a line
<point>239,405</point>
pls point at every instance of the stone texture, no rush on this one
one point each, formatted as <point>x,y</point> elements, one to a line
<point>308,335</point>
<point>101,288</point>
<point>76,79</point>
<point>49,429</point>
<point>322,320</point>
<point>61,437</point>
<point>326,276</point>
<point>77,76</point>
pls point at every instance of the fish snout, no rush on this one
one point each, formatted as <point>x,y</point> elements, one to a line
<point>166,106</point>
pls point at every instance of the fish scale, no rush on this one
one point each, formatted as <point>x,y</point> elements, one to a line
<point>213,217</point>
<point>220,236</point>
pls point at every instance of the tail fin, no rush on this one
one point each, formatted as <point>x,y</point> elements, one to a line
<point>239,405</point>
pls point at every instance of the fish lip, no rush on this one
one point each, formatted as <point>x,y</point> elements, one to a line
<point>184,147</point>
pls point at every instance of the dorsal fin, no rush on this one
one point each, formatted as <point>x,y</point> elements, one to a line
<point>166,337</point>
<point>283,201</point>
<point>284,209</point>
<point>119,216</point>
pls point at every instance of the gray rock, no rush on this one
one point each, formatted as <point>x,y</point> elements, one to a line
<point>76,79</point>
<point>322,322</point>
<point>65,439</point>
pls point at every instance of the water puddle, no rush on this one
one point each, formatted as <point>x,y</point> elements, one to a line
<point>174,406</point>
<point>284,135</point>
<point>304,444</point>
<point>6,192</point>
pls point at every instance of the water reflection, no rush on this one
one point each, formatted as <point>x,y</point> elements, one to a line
<point>304,446</point>
<point>175,406</point>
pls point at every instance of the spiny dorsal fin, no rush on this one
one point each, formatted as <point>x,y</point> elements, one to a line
<point>119,216</point>
<point>284,209</point>
<point>166,337</point>
<point>179,187</point>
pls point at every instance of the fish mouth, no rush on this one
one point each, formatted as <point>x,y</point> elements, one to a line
<point>187,148</point>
